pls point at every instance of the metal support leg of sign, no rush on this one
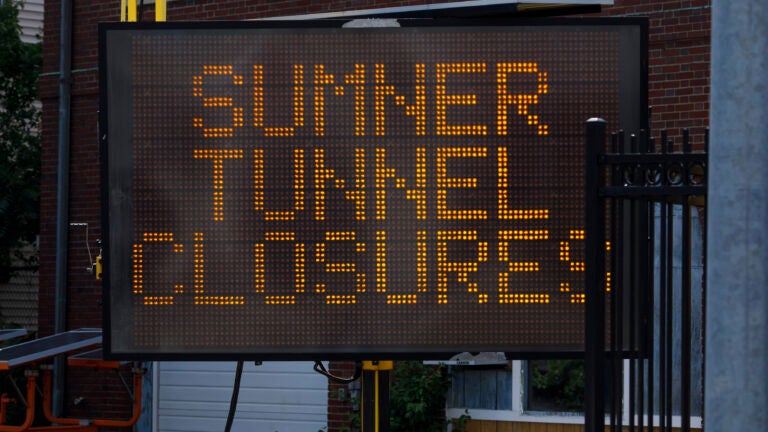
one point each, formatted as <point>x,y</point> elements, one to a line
<point>375,404</point>
<point>594,357</point>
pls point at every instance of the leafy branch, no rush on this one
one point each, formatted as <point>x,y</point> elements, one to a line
<point>20,66</point>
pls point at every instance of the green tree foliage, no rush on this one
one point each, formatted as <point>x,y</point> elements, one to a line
<point>417,397</point>
<point>561,381</point>
<point>20,66</point>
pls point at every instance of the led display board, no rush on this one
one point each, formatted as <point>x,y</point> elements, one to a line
<point>325,192</point>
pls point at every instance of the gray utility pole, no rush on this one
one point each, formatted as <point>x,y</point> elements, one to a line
<point>736,379</point>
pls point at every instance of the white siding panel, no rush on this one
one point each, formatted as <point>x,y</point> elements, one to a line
<point>31,20</point>
<point>274,397</point>
<point>184,424</point>
<point>251,380</point>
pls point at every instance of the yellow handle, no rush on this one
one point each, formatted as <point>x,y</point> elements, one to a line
<point>160,10</point>
<point>132,11</point>
<point>382,365</point>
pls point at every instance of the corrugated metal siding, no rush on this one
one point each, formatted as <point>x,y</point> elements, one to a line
<point>274,397</point>
<point>31,20</point>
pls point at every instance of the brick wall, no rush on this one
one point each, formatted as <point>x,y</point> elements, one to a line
<point>678,88</point>
<point>340,401</point>
<point>678,72</point>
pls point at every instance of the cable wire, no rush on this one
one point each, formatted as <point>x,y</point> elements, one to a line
<point>235,394</point>
<point>320,368</point>
<point>87,242</point>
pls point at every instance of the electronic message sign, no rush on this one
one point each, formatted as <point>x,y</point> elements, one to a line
<point>326,192</point>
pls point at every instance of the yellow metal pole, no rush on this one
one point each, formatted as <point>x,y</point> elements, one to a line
<point>380,397</point>
<point>123,16</point>
<point>377,402</point>
<point>132,11</point>
<point>160,10</point>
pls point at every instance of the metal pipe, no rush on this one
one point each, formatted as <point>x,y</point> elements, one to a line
<point>618,243</point>
<point>62,197</point>
<point>670,309</point>
<point>30,412</point>
<point>685,297</point>
<point>98,422</point>
<point>47,392</point>
<point>650,148</point>
<point>663,302</point>
<point>615,302</point>
<point>704,290</point>
<point>633,293</point>
<point>594,356</point>
<point>737,208</point>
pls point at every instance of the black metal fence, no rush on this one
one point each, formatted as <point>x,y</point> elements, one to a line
<point>645,297</point>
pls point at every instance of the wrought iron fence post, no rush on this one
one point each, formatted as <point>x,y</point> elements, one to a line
<point>594,353</point>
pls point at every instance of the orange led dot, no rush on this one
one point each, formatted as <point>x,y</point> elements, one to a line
<point>577,234</point>
<point>577,266</point>
<point>578,298</point>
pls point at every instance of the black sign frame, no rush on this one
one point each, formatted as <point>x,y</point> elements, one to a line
<point>117,183</point>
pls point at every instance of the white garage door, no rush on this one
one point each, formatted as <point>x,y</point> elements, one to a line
<point>274,397</point>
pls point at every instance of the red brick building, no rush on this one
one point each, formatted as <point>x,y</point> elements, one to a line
<point>678,91</point>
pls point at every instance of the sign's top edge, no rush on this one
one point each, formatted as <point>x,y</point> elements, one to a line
<point>467,7</point>
<point>339,23</point>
